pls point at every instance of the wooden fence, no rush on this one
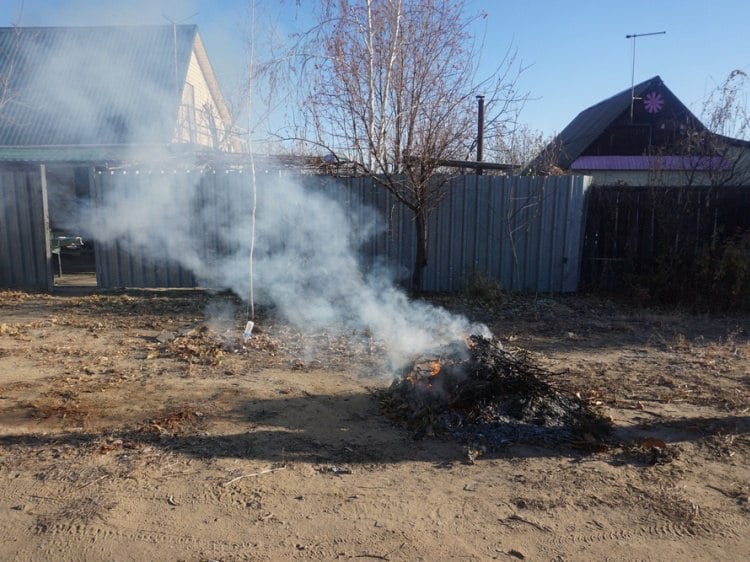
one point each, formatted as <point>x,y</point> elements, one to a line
<point>668,243</point>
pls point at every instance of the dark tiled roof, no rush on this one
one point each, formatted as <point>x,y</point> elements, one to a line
<point>91,85</point>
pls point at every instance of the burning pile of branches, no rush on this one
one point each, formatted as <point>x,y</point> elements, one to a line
<point>482,392</point>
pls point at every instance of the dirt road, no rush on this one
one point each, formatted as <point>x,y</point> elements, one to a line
<point>139,426</point>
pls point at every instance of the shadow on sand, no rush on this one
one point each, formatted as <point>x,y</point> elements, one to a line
<point>351,429</point>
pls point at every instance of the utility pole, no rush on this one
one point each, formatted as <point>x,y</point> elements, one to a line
<point>633,36</point>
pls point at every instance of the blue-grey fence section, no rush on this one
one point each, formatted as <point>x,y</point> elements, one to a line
<point>25,259</point>
<point>121,261</point>
<point>524,232</point>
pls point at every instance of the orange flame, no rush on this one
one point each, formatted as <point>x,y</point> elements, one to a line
<point>435,367</point>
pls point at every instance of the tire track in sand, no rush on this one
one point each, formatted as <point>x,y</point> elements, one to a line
<point>727,529</point>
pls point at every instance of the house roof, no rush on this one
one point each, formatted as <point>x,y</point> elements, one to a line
<point>63,86</point>
<point>593,121</point>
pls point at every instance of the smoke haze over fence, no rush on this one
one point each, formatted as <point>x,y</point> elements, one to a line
<point>306,256</point>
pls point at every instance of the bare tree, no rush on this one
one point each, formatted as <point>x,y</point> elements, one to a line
<point>725,113</point>
<point>725,110</point>
<point>391,87</point>
<point>519,145</point>
<point>717,146</point>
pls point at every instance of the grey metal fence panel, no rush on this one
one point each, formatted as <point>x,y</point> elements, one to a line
<point>25,260</point>
<point>524,232</point>
<point>120,263</point>
<point>575,234</point>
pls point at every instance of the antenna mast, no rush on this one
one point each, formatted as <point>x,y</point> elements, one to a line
<point>174,50</point>
<point>632,71</point>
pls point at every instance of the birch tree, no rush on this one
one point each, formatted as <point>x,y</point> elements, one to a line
<point>391,87</point>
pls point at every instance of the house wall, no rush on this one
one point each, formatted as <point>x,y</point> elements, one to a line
<point>646,177</point>
<point>199,121</point>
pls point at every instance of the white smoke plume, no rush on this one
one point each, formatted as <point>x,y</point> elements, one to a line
<point>307,256</point>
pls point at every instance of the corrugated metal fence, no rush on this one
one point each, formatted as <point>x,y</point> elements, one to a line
<point>524,232</point>
<point>121,260</point>
<point>25,259</point>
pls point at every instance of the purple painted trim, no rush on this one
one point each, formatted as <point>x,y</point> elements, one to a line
<point>693,163</point>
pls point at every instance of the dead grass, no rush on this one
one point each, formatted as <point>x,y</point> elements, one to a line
<point>143,393</point>
<point>60,405</point>
<point>174,421</point>
<point>78,511</point>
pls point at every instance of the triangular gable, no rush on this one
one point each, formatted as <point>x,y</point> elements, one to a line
<point>204,117</point>
<point>210,77</point>
<point>651,99</point>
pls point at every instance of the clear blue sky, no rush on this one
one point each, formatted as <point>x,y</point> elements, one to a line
<point>576,48</point>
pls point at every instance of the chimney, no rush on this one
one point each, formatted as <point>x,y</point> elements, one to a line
<point>480,131</point>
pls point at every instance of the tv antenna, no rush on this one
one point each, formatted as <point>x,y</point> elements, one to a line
<point>174,48</point>
<point>634,36</point>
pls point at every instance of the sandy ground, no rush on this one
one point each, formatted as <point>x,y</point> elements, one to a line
<point>133,428</point>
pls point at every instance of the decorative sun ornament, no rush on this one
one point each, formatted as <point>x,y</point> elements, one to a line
<point>653,102</point>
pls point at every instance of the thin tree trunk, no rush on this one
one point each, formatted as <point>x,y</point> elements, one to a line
<point>420,261</point>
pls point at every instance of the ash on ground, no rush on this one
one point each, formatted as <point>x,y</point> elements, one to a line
<point>482,394</point>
